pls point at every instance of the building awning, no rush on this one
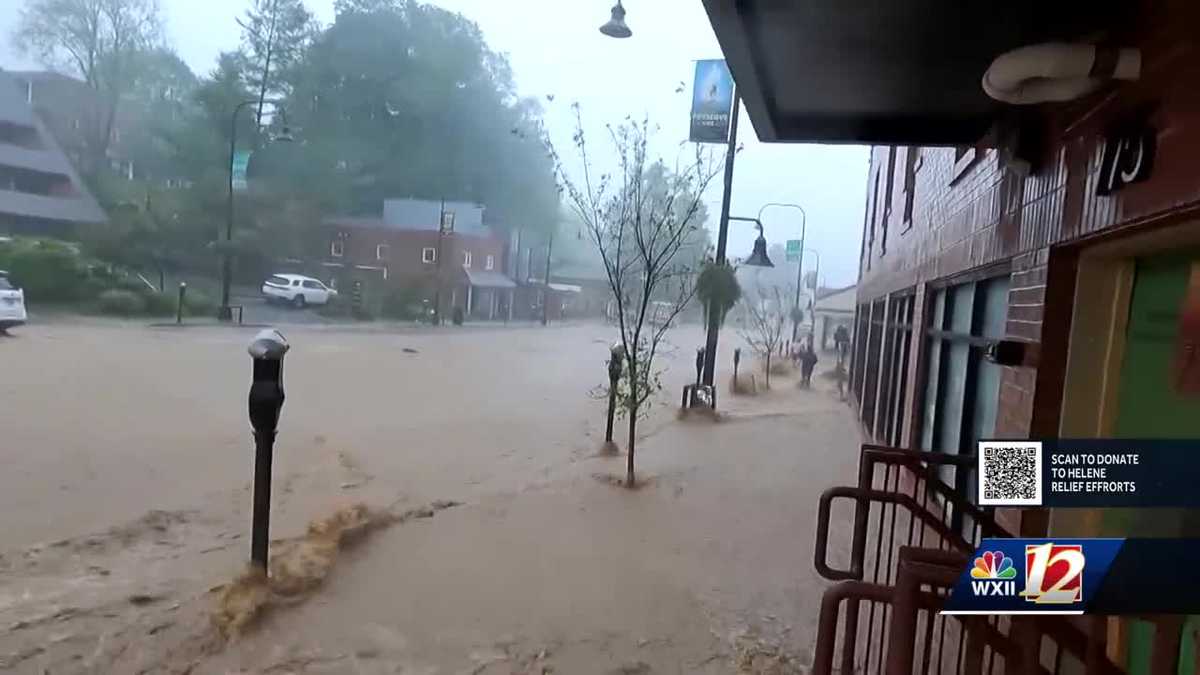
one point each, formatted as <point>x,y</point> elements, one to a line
<point>902,72</point>
<point>565,288</point>
<point>486,279</point>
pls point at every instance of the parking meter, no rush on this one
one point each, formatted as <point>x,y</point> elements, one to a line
<point>265,401</point>
<point>615,363</point>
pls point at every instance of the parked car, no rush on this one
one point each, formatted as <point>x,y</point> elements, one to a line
<point>12,303</point>
<point>297,289</point>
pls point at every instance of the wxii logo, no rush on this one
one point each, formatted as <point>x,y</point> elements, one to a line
<point>1053,573</point>
<point>993,574</point>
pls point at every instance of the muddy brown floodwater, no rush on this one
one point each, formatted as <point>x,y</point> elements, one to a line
<point>463,520</point>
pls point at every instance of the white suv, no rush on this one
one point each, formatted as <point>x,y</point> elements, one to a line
<point>12,303</point>
<point>297,289</point>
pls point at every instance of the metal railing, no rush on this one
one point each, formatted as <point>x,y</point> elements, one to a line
<point>911,535</point>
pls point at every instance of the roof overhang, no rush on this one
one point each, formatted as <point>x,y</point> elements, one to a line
<point>900,72</point>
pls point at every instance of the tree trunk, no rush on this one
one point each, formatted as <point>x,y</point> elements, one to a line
<point>768,369</point>
<point>633,415</point>
<point>262,88</point>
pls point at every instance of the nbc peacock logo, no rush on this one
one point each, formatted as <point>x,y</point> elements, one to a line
<point>993,574</point>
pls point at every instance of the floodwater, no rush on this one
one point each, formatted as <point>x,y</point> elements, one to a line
<point>502,544</point>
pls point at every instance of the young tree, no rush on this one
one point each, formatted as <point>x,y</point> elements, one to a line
<point>98,41</point>
<point>275,34</point>
<point>639,219</point>
<point>763,324</point>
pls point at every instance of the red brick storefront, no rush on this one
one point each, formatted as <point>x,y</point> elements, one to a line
<point>961,223</point>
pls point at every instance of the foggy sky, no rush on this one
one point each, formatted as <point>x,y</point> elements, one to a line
<point>555,48</point>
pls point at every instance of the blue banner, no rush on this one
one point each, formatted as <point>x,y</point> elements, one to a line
<point>241,162</point>
<point>1077,576</point>
<point>712,102</point>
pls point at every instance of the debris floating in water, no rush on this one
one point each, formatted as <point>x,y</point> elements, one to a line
<point>299,566</point>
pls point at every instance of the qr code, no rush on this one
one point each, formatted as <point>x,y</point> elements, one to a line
<point>1010,473</point>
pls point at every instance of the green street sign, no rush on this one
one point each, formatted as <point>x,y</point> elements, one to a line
<point>793,250</point>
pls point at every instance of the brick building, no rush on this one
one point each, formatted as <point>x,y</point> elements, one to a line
<point>1027,271</point>
<point>403,251</point>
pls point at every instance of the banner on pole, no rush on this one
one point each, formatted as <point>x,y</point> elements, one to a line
<point>241,162</point>
<point>793,250</point>
<point>712,102</point>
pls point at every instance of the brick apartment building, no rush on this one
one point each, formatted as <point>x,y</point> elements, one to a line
<point>401,249</point>
<point>1027,270</point>
<point>40,192</point>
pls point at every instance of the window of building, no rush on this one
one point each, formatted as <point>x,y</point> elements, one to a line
<point>429,255</point>
<point>382,251</point>
<point>447,221</point>
<point>337,248</point>
<point>490,263</point>
<point>912,162</point>
<point>887,201</point>
<point>466,258</point>
<point>964,157</point>
<point>961,387</point>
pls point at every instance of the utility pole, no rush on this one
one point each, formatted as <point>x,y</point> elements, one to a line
<point>437,272</point>
<point>714,322</point>
<point>546,299</point>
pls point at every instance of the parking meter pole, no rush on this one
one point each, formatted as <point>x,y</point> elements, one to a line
<point>265,402</point>
<point>614,378</point>
<point>179,305</point>
<point>264,447</point>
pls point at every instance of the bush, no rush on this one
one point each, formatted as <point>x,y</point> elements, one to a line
<point>404,303</point>
<point>49,271</point>
<point>119,302</point>
<point>159,304</point>
<point>196,303</point>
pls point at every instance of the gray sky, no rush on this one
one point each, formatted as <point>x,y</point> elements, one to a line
<point>555,48</point>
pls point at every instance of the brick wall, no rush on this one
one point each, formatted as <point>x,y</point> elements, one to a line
<point>405,249</point>
<point>970,216</point>
<point>973,213</point>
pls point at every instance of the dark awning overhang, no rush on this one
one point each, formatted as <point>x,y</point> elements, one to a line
<point>888,72</point>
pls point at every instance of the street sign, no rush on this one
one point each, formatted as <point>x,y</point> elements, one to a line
<point>241,161</point>
<point>793,250</point>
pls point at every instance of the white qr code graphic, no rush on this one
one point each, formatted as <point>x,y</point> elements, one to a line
<point>1010,473</point>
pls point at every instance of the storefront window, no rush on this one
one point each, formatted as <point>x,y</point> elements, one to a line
<point>962,387</point>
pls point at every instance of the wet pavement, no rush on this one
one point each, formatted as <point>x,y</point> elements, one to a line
<point>124,506</point>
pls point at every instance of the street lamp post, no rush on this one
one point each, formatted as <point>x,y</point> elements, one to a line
<point>800,262</point>
<point>224,313</point>
<point>758,257</point>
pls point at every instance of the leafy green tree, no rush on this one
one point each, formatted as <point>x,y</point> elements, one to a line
<point>275,34</point>
<point>405,99</point>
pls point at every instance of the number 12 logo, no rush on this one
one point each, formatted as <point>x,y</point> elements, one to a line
<point>1053,573</point>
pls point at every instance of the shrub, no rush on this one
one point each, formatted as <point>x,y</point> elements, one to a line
<point>50,272</point>
<point>404,303</point>
<point>196,303</point>
<point>119,302</point>
<point>159,304</point>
